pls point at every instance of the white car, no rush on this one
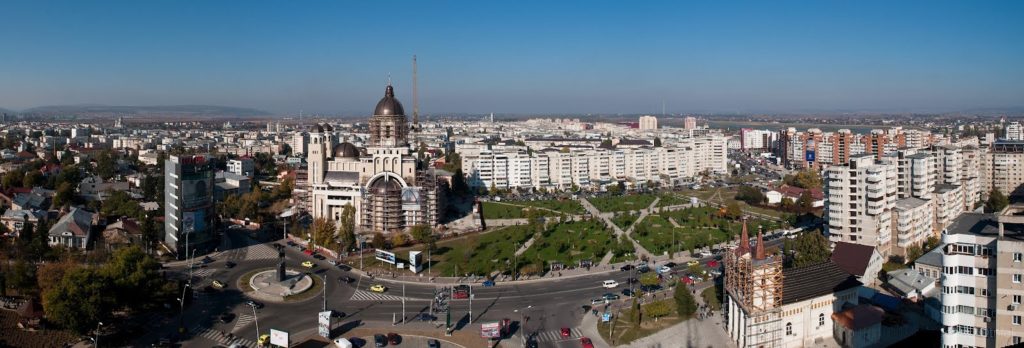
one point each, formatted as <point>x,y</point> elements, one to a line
<point>610,284</point>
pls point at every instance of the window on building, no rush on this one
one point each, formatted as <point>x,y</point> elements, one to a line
<point>1016,278</point>
<point>1016,299</point>
<point>821,319</point>
<point>1016,320</point>
<point>789,329</point>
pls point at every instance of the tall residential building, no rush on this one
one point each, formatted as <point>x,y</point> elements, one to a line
<point>1008,167</point>
<point>912,221</point>
<point>648,123</point>
<point>690,122</point>
<point>859,200</point>
<point>1014,132</point>
<point>917,174</point>
<point>188,204</point>
<point>982,285</point>
<point>757,139</point>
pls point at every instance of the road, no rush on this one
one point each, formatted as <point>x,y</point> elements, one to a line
<point>550,303</point>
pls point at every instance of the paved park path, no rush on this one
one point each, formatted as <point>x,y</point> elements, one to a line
<point>606,217</point>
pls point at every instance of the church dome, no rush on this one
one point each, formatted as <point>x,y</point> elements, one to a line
<point>316,128</point>
<point>328,127</point>
<point>346,150</point>
<point>384,186</point>
<point>389,105</point>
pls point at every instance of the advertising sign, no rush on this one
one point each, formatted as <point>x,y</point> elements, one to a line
<point>278,338</point>
<point>411,198</point>
<point>385,256</point>
<point>195,193</point>
<point>606,317</point>
<point>809,156</point>
<point>415,258</point>
<point>324,327</point>
<point>490,330</point>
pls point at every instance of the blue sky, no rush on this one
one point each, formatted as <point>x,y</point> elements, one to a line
<point>516,57</point>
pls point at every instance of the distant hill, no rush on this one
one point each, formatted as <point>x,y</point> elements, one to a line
<point>129,111</point>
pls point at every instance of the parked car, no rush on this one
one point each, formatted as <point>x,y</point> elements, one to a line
<point>586,343</point>
<point>380,340</point>
<point>308,264</point>
<point>432,343</point>
<point>217,284</point>
<point>344,267</point>
<point>488,283</point>
<point>424,317</point>
<point>597,301</point>
<point>670,264</point>
<point>291,243</point>
<point>626,267</point>
<point>627,293</point>
<point>693,263</point>
<point>610,296</point>
<point>394,339</point>
<point>227,317</point>
<point>332,262</point>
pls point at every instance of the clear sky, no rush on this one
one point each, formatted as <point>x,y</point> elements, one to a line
<point>516,56</point>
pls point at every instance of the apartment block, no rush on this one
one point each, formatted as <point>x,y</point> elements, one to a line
<point>860,197</point>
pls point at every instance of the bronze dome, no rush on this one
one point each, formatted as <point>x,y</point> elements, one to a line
<point>389,105</point>
<point>346,150</point>
<point>385,186</point>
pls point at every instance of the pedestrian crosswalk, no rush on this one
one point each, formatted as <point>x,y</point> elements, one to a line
<point>361,295</point>
<point>241,322</point>
<point>260,252</point>
<point>556,335</point>
<point>222,338</point>
<point>203,272</point>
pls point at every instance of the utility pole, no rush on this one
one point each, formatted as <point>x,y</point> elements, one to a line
<point>415,97</point>
<point>403,303</point>
<point>471,304</point>
<point>325,290</point>
<point>515,268</point>
<point>97,339</point>
<point>256,320</point>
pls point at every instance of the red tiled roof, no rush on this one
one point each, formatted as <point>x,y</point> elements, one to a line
<point>859,317</point>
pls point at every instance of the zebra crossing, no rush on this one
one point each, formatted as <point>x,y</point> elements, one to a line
<point>221,338</point>
<point>203,272</point>
<point>362,295</point>
<point>556,335</point>
<point>241,322</point>
<point>260,252</point>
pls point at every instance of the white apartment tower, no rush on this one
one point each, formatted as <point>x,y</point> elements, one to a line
<point>648,123</point>
<point>860,197</point>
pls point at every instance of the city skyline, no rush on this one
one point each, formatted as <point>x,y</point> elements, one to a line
<point>519,59</point>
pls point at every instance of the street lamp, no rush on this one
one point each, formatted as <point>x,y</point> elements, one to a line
<point>96,340</point>
<point>181,313</point>
<point>256,320</point>
<point>522,322</point>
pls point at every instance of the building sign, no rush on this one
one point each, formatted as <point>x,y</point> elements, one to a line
<point>385,256</point>
<point>490,330</point>
<point>809,155</point>
<point>324,327</point>
<point>411,198</point>
<point>193,221</point>
<point>415,258</point>
<point>278,338</point>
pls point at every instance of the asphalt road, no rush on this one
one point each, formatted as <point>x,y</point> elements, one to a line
<point>550,304</point>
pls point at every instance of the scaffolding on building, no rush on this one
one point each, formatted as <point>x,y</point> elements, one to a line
<point>382,206</point>
<point>754,283</point>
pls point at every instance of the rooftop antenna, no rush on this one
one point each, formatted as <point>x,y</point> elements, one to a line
<point>663,108</point>
<point>389,79</point>
<point>415,98</point>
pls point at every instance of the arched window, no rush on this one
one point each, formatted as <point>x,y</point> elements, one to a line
<point>789,329</point>
<point>821,319</point>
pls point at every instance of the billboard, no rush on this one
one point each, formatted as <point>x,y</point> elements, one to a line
<point>809,155</point>
<point>385,256</point>
<point>490,330</point>
<point>195,192</point>
<point>193,221</point>
<point>415,258</point>
<point>411,199</point>
<point>278,338</point>
<point>324,327</point>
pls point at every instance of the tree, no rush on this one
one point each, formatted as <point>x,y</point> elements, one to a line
<point>805,179</point>
<point>751,195</point>
<point>12,179</point>
<point>119,203</point>
<point>322,231</point>
<point>914,252</point>
<point>378,241</point>
<point>649,279</point>
<point>399,239</point>
<point>134,275</point>
<point>347,227</point>
<point>459,186</point>
<point>22,276</point>
<point>805,203</point>
<point>807,249</point>
<point>996,201</point>
<point>106,165</point>
<point>686,305</point>
<point>32,179</point>
<point>733,211</point>
<point>423,234</point>
<point>65,194</point>
<point>657,309</point>
<point>634,313</point>
<point>81,299</point>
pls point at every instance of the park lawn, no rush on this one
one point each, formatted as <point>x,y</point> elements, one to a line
<point>728,195</point>
<point>622,203</point>
<point>624,220</point>
<point>564,206</point>
<point>622,331</point>
<point>496,210</point>
<point>710,296</point>
<point>670,199</point>
<point>570,242</point>
<point>698,227</point>
<point>479,254</point>
<point>656,234</point>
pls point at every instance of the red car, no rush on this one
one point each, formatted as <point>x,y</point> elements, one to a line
<point>565,332</point>
<point>460,295</point>
<point>586,343</point>
<point>307,252</point>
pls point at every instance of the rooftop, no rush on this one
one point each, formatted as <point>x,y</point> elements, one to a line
<point>906,281</point>
<point>931,258</point>
<point>910,203</point>
<point>808,282</point>
<point>859,317</point>
<point>983,225</point>
<point>852,258</point>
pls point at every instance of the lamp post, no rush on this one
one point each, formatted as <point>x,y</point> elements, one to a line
<point>97,335</point>
<point>522,322</point>
<point>181,312</point>
<point>256,320</point>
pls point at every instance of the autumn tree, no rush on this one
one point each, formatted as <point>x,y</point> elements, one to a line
<point>347,227</point>
<point>322,232</point>
<point>807,249</point>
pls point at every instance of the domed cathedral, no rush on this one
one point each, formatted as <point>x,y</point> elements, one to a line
<point>389,188</point>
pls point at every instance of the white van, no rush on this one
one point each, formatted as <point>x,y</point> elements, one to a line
<point>609,284</point>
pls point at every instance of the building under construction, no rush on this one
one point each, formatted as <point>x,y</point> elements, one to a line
<point>753,285</point>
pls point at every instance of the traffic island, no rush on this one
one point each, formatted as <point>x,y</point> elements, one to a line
<point>268,285</point>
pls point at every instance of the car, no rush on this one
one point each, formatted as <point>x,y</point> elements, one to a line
<point>626,267</point>
<point>290,243</point>
<point>598,301</point>
<point>610,284</point>
<point>344,267</point>
<point>230,264</point>
<point>319,257</point>
<point>307,252</point>
<point>378,288</point>
<point>586,343</point>
<point>643,269</point>
<point>227,317</point>
<point>252,303</point>
<point>333,262</point>
<point>424,317</point>
<point>357,342</point>
<point>670,264</point>
<point>308,264</point>
<point>610,296</point>
<point>206,259</point>
<point>345,279</point>
<point>664,269</point>
<point>565,332</point>
<point>217,284</point>
<point>432,343</point>
<point>693,263</point>
<point>460,294</point>
<point>380,341</point>
<point>263,340</point>
<point>394,339</point>
<point>488,283</point>
<point>627,292</point>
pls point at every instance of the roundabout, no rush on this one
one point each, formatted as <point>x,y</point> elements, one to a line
<point>273,285</point>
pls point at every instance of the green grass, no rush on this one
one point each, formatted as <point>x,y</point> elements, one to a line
<point>622,203</point>
<point>622,331</point>
<point>570,242</point>
<point>698,227</point>
<point>516,209</point>
<point>495,210</point>
<point>670,199</point>
<point>710,296</point>
<point>565,206</point>
<point>624,220</point>
<point>313,291</point>
<point>479,254</point>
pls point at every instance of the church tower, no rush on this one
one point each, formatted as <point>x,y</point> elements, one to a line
<point>753,286</point>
